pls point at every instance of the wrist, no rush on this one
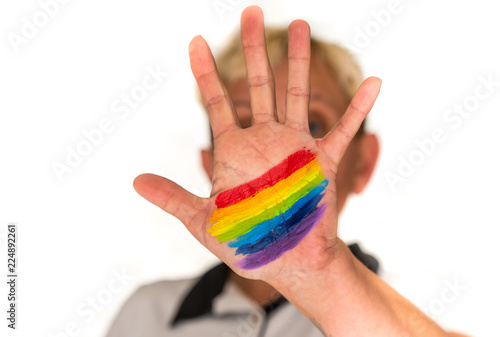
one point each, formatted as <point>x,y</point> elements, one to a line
<point>332,296</point>
<point>346,298</point>
<point>327,280</point>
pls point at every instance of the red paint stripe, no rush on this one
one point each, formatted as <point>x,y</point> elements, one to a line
<point>279,172</point>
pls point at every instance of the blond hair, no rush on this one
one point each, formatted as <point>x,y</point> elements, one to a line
<point>345,69</point>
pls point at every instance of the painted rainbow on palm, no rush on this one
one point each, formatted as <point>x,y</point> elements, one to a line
<point>271,214</point>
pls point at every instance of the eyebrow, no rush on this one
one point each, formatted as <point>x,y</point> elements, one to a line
<point>313,97</point>
<point>322,98</point>
<point>242,102</point>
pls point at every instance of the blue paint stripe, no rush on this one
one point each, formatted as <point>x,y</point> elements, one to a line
<point>280,232</point>
<point>263,228</point>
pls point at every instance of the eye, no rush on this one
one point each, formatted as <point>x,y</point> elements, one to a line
<point>244,115</point>
<point>316,128</point>
<point>244,121</point>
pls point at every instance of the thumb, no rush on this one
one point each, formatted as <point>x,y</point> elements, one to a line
<point>173,199</point>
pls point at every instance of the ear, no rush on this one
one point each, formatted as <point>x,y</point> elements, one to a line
<point>368,155</point>
<point>207,160</point>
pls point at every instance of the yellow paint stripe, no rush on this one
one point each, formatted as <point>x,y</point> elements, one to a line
<point>224,219</point>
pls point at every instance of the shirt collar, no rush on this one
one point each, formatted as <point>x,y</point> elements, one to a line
<point>198,301</point>
<point>207,296</point>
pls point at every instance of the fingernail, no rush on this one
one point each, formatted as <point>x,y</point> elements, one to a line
<point>191,46</point>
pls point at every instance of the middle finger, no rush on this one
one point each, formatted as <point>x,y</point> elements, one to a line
<point>259,74</point>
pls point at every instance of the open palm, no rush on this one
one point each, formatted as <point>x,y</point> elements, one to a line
<point>241,155</point>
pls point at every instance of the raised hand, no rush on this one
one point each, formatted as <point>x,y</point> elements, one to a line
<point>273,206</point>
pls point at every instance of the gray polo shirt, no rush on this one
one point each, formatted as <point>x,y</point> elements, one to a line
<point>211,305</point>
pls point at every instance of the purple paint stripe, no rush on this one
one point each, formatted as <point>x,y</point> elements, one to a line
<point>278,248</point>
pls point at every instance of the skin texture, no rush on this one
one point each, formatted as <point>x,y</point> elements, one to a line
<point>271,214</point>
<point>279,172</point>
<point>327,104</point>
<point>354,301</point>
<point>234,220</point>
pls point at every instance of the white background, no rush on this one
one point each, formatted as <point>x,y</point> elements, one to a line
<point>439,225</point>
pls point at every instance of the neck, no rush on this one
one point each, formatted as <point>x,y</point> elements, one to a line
<point>259,291</point>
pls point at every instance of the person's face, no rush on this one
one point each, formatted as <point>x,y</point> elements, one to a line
<point>327,104</point>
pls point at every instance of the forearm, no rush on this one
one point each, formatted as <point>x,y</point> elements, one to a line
<point>344,298</point>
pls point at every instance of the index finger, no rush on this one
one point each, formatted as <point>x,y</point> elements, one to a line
<point>339,138</point>
<point>215,95</point>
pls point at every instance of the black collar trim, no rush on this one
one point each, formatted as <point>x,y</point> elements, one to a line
<point>198,301</point>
